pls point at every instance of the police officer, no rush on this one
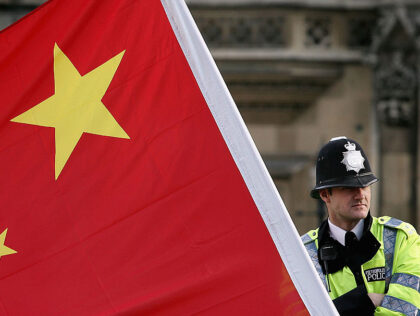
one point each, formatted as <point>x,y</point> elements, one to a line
<point>369,265</point>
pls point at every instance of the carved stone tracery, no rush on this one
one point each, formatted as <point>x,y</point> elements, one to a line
<point>360,31</point>
<point>396,69</point>
<point>318,32</point>
<point>396,87</point>
<point>271,29</point>
<point>242,31</point>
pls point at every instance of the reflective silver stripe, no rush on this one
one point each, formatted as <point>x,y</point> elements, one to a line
<point>393,222</point>
<point>400,306</point>
<point>305,238</point>
<point>407,280</point>
<point>389,237</point>
<point>313,253</point>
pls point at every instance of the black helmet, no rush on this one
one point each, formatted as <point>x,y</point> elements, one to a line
<point>342,163</point>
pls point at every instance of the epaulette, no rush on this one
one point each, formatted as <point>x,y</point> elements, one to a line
<point>391,222</point>
<point>309,236</point>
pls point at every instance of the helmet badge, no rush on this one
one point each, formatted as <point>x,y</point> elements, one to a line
<point>353,159</point>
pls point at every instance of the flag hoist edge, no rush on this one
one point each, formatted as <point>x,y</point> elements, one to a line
<point>248,160</point>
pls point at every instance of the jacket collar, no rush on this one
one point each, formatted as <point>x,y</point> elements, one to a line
<point>366,248</point>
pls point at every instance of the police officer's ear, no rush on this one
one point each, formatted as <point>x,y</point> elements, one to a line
<point>324,194</point>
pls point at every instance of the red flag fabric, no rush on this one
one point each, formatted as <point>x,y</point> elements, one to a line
<point>121,193</point>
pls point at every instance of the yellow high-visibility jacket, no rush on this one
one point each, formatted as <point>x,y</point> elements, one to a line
<point>394,270</point>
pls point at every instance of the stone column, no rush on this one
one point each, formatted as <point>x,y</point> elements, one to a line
<point>397,100</point>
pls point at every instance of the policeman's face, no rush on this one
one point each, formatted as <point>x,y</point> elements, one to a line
<point>346,206</point>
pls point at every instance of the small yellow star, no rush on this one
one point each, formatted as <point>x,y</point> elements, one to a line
<point>4,250</point>
<point>76,107</point>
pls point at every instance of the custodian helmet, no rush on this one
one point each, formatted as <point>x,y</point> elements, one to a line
<point>342,163</point>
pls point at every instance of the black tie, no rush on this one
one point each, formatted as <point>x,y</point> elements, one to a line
<point>351,240</point>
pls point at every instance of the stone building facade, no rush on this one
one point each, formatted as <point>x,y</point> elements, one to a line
<point>303,71</point>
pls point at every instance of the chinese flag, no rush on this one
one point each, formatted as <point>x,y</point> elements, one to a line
<point>120,193</point>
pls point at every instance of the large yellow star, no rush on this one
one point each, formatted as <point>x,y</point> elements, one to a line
<point>4,250</point>
<point>76,106</point>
